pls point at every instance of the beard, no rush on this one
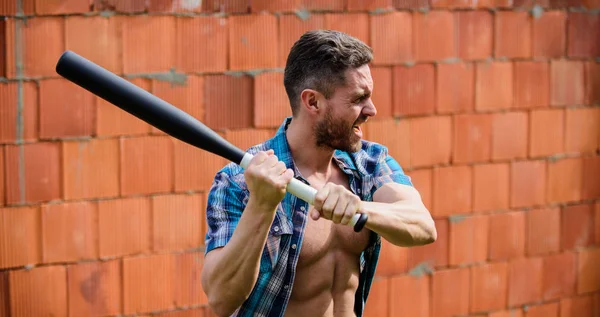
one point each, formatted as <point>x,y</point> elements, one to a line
<point>337,134</point>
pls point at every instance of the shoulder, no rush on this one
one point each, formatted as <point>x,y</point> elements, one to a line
<point>367,158</point>
<point>372,150</point>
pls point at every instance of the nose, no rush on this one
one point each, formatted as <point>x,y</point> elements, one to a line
<point>369,109</point>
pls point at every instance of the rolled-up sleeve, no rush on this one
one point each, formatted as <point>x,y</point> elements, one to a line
<point>224,209</point>
<point>388,170</point>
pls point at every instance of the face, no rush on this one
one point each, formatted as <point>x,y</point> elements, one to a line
<point>345,111</point>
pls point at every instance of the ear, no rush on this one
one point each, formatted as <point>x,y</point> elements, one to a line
<point>310,100</point>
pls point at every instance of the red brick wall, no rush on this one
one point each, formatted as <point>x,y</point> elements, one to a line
<point>102,214</point>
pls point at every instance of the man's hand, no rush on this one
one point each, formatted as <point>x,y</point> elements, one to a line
<point>335,203</point>
<point>267,179</point>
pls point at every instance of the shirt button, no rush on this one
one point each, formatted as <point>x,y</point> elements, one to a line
<point>276,228</point>
<point>302,208</point>
<point>294,246</point>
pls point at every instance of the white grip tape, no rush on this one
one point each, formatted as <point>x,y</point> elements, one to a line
<point>246,160</point>
<point>297,188</point>
<point>302,191</point>
<point>354,220</point>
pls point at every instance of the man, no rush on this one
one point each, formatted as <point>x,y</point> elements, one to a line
<point>269,253</point>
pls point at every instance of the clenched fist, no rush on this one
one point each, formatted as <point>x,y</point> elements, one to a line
<point>267,178</point>
<point>336,203</point>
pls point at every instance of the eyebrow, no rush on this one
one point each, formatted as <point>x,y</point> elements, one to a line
<point>361,94</point>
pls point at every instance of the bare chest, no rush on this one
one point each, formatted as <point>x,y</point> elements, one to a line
<point>323,237</point>
<point>328,267</point>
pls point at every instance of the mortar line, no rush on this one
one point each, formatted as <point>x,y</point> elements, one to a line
<point>18,43</point>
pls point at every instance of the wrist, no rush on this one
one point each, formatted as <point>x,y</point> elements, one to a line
<point>265,207</point>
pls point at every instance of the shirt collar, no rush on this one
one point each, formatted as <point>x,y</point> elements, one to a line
<point>280,145</point>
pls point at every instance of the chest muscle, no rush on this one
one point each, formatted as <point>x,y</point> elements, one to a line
<point>323,236</point>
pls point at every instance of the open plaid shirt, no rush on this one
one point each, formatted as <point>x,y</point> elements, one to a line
<point>367,170</point>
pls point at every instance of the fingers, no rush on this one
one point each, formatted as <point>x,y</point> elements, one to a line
<point>259,158</point>
<point>336,203</point>
<point>287,175</point>
<point>340,209</point>
<point>330,204</point>
<point>314,214</point>
<point>265,160</point>
<point>284,178</point>
<point>266,166</point>
<point>270,161</point>
<point>351,209</point>
<point>320,197</point>
<point>267,178</point>
<point>279,168</point>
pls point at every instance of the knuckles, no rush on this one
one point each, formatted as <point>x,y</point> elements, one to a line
<point>320,199</point>
<point>339,190</point>
<point>259,157</point>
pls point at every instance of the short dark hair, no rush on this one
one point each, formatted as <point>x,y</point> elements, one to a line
<point>319,59</point>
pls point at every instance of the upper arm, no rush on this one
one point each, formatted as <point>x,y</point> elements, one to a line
<point>391,184</point>
<point>394,192</point>
<point>224,208</point>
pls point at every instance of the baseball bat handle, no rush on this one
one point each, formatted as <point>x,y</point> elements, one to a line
<point>307,193</point>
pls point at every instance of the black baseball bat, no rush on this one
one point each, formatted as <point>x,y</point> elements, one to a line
<point>166,117</point>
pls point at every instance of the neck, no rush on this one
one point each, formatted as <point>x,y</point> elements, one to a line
<point>310,159</point>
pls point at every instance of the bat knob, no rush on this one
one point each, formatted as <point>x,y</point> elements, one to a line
<point>361,222</point>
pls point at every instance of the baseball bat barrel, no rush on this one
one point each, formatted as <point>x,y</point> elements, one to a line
<point>144,105</point>
<point>166,117</point>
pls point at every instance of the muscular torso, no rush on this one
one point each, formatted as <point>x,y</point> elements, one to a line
<point>327,274</point>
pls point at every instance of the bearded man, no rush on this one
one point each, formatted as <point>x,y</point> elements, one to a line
<point>269,253</point>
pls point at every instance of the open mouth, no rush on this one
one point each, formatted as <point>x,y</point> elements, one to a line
<point>357,130</point>
<point>359,122</point>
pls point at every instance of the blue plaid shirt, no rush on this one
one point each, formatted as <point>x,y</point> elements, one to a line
<point>367,170</point>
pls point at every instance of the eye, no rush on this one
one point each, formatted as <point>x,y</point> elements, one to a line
<point>360,99</point>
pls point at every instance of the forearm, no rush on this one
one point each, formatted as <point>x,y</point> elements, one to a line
<point>403,223</point>
<point>233,274</point>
